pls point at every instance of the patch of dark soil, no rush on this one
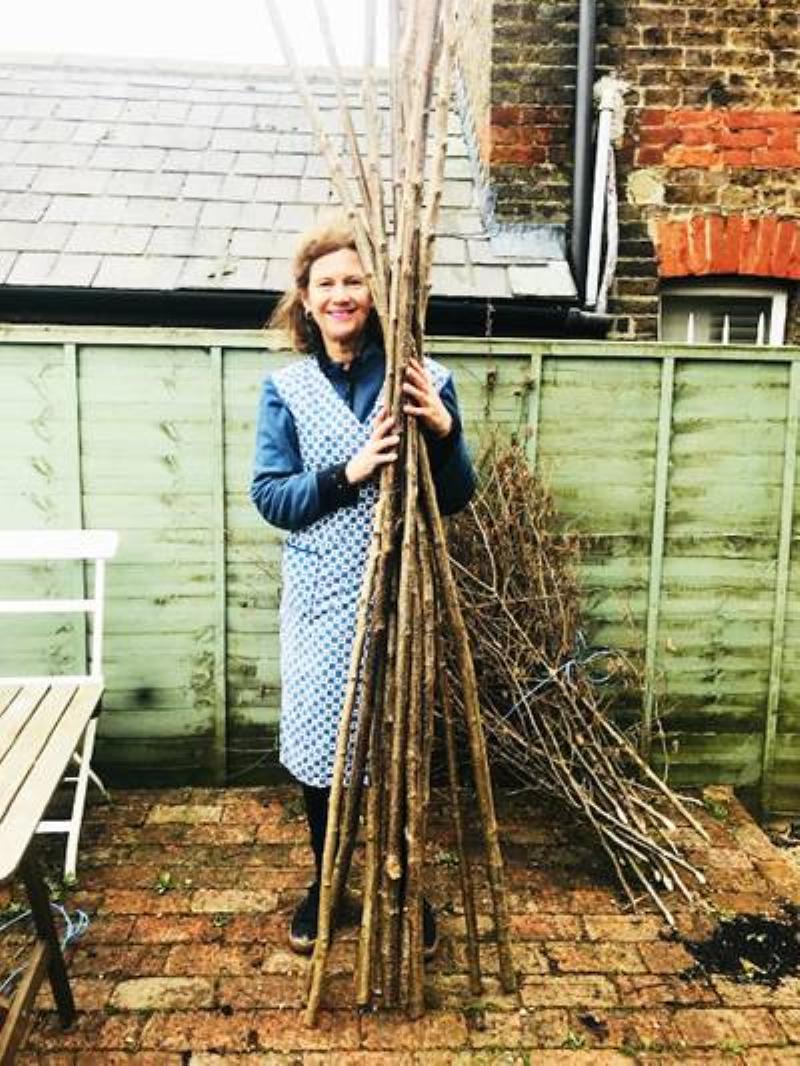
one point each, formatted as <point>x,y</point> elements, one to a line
<point>749,948</point>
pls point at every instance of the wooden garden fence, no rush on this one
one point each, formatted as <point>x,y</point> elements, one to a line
<point>677,464</point>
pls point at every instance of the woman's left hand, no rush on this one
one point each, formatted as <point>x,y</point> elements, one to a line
<point>423,400</point>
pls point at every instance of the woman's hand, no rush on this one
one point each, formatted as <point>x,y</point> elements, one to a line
<point>380,449</point>
<point>424,401</point>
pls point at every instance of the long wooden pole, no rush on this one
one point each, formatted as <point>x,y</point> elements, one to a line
<point>392,679</point>
<point>472,723</point>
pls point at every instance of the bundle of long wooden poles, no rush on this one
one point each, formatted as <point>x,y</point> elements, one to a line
<point>549,721</point>
<point>408,598</point>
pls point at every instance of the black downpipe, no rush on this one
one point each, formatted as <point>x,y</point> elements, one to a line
<point>582,163</point>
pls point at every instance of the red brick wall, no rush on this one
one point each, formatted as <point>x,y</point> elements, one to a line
<point>706,244</point>
<point>710,161</point>
<point>712,131</point>
<point>524,127</point>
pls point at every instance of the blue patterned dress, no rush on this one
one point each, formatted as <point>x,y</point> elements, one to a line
<point>323,560</point>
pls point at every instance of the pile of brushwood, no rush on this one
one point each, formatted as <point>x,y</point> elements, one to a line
<point>546,697</point>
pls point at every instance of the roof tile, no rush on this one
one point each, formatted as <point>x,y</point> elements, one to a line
<point>543,279</point>
<point>278,190</point>
<point>279,275</point>
<point>223,273</point>
<point>244,140</point>
<point>172,240</point>
<point>133,183</point>
<point>219,213</point>
<point>92,133</point>
<point>154,212</point>
<point>266,164</point>
<point>110,157</point>
<point>211,186</point>
<point>314,191</point>
<point>138,272</point>
<point>30,268</point>
<point>6,262</point>
<point>49,130</point>
<point>16,179</point>
<point>93,110</point>
<point>23,107</point>
<point>491,280</point>
<point>203,114</point>
<point>78,270</point>
<point>236,116</point>
<point>116,240</point>
<point>451,251</point>
<point>55,155</point>
<point>63,180</point>
<point>458,193</point>
<point>9,150</point>
<point>456,281</point>
<point>206,162</point>
<point>23,206</point>
<point>246,243</point>
<point>33,236</point>
<point>107,209</point>
<point>192,138</point>
<point>258,216</point>
<point>295,217</point>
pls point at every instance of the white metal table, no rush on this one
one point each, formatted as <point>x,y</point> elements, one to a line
<point>41,725</point>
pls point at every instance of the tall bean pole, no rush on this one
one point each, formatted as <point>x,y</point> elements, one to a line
<point>395,679</point>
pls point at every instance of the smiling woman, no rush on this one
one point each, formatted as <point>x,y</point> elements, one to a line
<point>323,438</point>
<point>338,300</point>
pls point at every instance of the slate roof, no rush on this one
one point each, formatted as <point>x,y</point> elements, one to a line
<point>130,174</point>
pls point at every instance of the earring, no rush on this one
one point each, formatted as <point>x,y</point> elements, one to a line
<point>308,316</point>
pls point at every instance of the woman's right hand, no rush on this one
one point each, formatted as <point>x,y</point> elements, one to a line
<point>380,449</point>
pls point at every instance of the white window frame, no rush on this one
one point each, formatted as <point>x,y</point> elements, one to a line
<point>734,289</point>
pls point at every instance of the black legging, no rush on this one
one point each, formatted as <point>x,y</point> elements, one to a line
<point>316,801</point>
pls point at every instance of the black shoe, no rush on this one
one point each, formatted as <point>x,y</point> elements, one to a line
<point>303,930</point>
<point>430,931</point>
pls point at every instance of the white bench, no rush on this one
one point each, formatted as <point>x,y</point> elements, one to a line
<point>47,723</point>
<point>96,546</point>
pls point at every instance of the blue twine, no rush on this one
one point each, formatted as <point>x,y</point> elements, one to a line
<point>583,655</point>
<point>75,926</point>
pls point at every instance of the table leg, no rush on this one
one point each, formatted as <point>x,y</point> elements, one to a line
<point>39,899</point>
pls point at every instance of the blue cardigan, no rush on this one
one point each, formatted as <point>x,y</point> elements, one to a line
<point>290,497</point>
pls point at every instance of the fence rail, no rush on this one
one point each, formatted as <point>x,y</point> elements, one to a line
<point>677,464</point>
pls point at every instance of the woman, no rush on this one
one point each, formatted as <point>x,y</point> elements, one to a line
<point>323,437</point>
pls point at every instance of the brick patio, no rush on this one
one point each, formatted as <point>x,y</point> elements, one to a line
<point>185,961</point>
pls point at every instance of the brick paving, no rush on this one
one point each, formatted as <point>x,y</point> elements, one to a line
<point>185,961</point>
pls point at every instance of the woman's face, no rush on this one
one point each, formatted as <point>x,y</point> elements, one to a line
<point>339,299</point>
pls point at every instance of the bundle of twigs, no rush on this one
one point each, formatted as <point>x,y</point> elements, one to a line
<point>545,709</point>
<point>408,594</point>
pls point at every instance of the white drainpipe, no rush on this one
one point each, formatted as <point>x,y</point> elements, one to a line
<point>609,93</point>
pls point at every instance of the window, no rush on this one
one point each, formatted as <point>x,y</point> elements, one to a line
<point>724,313</point>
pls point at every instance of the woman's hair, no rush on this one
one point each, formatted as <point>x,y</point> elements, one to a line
<point>289,314</point>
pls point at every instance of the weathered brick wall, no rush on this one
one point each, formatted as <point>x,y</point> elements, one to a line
<point>712,131</point>
<point>710,162</point>
<point>475,38</point>
<point>524,118</point>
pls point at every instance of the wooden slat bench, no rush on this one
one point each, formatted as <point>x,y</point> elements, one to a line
<point>45,724</point>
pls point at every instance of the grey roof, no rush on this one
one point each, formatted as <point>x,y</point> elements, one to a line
<point>132,174</point>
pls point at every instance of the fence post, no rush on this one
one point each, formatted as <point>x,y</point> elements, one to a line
<point>534,408</point>
<point>73,490</point>
<point>781,588</point>
<point>219,555</point>
<point>657,548</point>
